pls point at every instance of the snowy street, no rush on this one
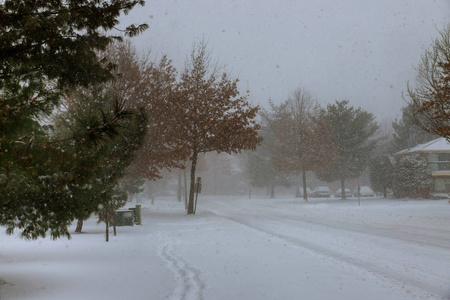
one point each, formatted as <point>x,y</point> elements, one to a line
<point>403,242</point>
<point>239,248</point>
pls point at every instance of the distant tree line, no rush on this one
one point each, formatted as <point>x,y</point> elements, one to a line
<point>335,143</point>
<point>338,143</point>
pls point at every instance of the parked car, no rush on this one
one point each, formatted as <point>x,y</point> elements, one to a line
<point>321,192</point>
<point>364,192</point>
<point>338,193</point>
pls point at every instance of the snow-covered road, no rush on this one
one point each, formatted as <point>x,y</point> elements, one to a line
<point>401,241</point>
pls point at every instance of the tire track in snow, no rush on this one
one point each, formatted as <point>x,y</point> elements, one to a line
<point>434,237</point>
<point>424,289</point>
<point>190,286</point>
<point>428,289</point>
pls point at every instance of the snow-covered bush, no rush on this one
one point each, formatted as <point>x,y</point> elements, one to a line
<point>412,177</point>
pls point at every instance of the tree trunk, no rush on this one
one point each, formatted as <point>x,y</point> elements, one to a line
<point>297,191</point>
<point>185,190</point>
<point>179,188</point>
<point>114,224</point>
<point>107,225</point>
<point>79,225</point>
<point>215,176</point>
<point>305,188</point>
<point>272,191</point>
<point>343,189</point>
<point>191,190</point>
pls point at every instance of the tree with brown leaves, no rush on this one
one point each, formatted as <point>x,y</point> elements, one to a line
<point>161,148</point>
<point>149,84</point>
<point>430,97</point>
<point>212,115</point>
<point>304,141</point>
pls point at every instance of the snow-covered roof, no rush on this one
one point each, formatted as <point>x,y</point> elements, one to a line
<point>440,145</point>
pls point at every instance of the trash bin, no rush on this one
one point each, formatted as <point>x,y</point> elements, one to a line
<point>124,218</point>
<point>133,209</point>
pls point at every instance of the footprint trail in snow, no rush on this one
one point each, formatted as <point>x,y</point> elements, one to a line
<point>190,286</point>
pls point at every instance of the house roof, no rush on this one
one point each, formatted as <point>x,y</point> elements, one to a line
<point>440,145</point>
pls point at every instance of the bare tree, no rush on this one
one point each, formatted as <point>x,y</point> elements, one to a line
<point>430,97</point>
<point>304,141</point>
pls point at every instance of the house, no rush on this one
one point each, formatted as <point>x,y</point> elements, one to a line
<point>437,155</point>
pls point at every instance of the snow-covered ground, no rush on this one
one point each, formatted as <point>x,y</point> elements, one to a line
<point>238,248</point>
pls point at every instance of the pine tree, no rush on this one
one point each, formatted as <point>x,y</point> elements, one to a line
<point>381,174</point>
<point>352,130</point>
<point>59,39</point>
<point>47,49</point>
<point>110,134</point>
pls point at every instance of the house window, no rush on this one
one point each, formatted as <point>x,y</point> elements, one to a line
<point>444,161</point>
<point>439,162</point>
<point>433,162</point>
<point>439,185</point>
<point>442,184</point>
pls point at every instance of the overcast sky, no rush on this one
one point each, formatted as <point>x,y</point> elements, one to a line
<point>362,51</point>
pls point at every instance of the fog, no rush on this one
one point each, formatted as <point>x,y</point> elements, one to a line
<point>362,51</point>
